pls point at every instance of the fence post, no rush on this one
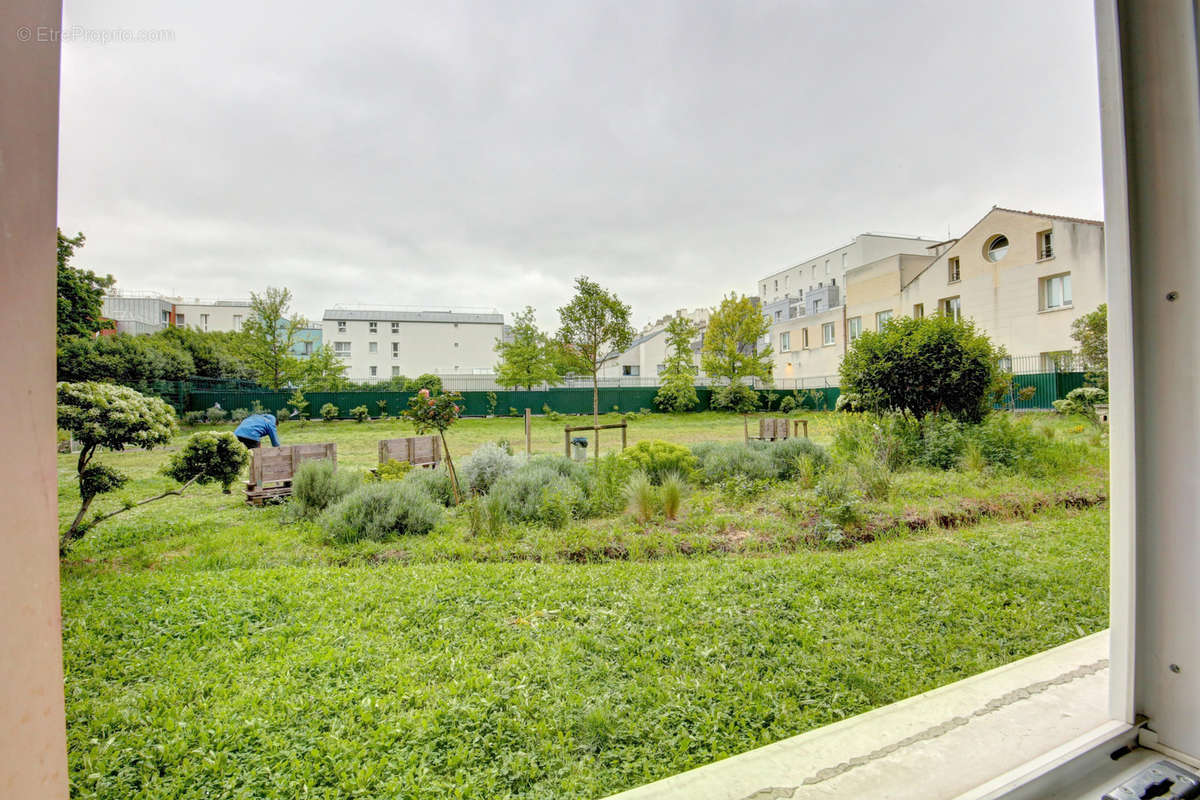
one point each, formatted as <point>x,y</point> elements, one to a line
<point>624,428</point>
<point>529,434</point>
<point>567,441</point>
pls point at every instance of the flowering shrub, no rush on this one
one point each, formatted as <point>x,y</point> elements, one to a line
<point>428,412</point>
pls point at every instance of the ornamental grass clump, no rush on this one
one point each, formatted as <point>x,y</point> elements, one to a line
<point>674,487</point>
<point>378,512</point>
<point>641,497</point>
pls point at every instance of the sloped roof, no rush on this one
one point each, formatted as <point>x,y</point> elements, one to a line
<point>1050,216</point>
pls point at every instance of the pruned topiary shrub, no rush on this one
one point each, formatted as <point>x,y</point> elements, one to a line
<point>330,412</point>
<point>208,457</point>
<point>657,459</point>
<point>380,511</point>
<point>480,470</point>
<point>359,414</point>
<point>317,485</point>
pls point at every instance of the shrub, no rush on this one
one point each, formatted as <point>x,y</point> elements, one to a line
<point>282,414</point>
<point>433,482</point>
<point>317,485</point>
<point>1082,401</point>
<point>428,382</point>
<point>537,493</point>
<point>1001,441</point>
<point>641,496</point>
<point>608,486</point>
<point>923,366</point>
<point>807,472</point>
<point>875,480</point>
<point>788,404</point>
<point>393,470</point>
<point>380,511</point>
<point>329,412</point>
<point>383,408</point>
<point>657,458</point>
<point>257,407</point>
<point>573,471</point>
<point>193,418</point>
<point>838,504</point>
<point>973,459</point>
<point>889,439</point>
<point>238,414</point>
<point>216,414</point>
<point>722,461</point>
<point>848,401</point>
<point>480,470</point>
<point>941,442</point>
<point>736,397</point>
<point>785,453</point>
<point>208,458</point>
<point>674,486</point>
<point>359,413</point>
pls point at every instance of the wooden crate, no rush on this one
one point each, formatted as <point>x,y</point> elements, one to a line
<point>272,468</point>
<point>774,428</point>
<point>420,451</point>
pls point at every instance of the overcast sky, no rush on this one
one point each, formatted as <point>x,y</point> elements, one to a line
<point>484,154</point>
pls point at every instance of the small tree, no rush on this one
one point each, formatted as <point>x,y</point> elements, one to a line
<point>731,351</point>
<point>300,404</point>
<point>678,389</point>
<point>208,457</point>
<point>528,358</point>
<point>436,413</point>
<point>594,324</point>
<point>80,292</point>
<point>268,336</point>
<point>923,366</point>
<point>323,371</point>
<point>427,381</point>
<point>1091,331</point>
<point>105,415</point>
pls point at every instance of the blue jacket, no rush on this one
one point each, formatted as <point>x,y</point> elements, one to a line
<point>257,426</point>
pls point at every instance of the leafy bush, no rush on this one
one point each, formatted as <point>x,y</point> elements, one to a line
<point>433,482</point>
<point>216,414</point>
<point>736,397</point>
<point>193,418</point>
<point>214,457</point>
<point>889,439</point>
<point>785,453</point>
<point>722,461</point>
<point>788,404</point>
<point>380,511</point>
<point>608,487</point>
<point>393,470</point>
<point>641,496</point>
<point>537,493</point>
<point>848,401</point>
<point>329,412</point>
<point>257,407</point>
<point>359,413</point>
<point>839,506</point>
<point>942,442</point>
<point>657,458</point>
<point>923,366</point>
<point>428,382</point>
<point>1082,401</point>
<point>577,473</point>
<point>317,485</point>
<point>239,414</point>
<point>1002,441</point>
<point>480,470</point>
<point>383,408</point>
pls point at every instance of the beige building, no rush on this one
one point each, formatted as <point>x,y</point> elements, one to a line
<point>377,344</point>
<point>147,312</point>
<point>646,356</point>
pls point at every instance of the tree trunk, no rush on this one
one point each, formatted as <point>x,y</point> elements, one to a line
<point>596,414</point>
<point>450,467</point>
<point>75,530</point>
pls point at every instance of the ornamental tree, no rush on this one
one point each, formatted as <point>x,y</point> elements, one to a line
<point>731,350</point>
<point>923,366</point>
<point>208,457</point>
<point>105,415</point>
<point>268,338</point>
<point>678,389</point>
<point>528,358</point>
<point>1091,331</point>
<point>594,324</point>
<point>80,292</point>
<point>428,412</point>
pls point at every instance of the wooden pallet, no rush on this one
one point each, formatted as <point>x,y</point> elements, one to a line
<point>272,469</point>
<point>773,428</point>
<point>420,451</point>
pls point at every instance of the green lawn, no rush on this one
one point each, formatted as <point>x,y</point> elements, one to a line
<point>219,651</point>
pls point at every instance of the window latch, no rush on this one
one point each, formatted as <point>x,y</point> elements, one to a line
<point>1164,780</point>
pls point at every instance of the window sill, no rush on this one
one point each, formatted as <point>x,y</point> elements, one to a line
<point>1045,258</point>
<point>1056,309</point>
<point>951,283</point>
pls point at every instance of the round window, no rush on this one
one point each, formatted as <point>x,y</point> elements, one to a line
<point>997,247</point>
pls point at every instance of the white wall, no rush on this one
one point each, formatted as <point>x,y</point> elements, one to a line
<point>426,346</point>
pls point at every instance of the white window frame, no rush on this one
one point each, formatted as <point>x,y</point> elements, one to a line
<point>883,318</point>
<point>395,327</point>
<point>953,270</point>
<point>1045,244</point>
<point>785,342</point>
<point>373,371</point>
<point>828,334</point>
<point>341,326</point>
<point>372,327</point>
<point>372,347</point>
<point>944,307</point>
<point>854,328</point>
<point>341,349</point>
<point>395,349</point>
<point>1046,286</point>
<point>804,338</point>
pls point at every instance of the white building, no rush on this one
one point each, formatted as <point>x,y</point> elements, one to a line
<point>382,343</point>
<point>148,312</point>
<point>646,356</point>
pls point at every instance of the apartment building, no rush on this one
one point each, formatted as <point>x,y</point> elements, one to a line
<point>210,315</point>
<point>1023,277</point>
<point>646,356</point>
<point>805,302</point>
<point>381,343</point>
<point>147,312</point>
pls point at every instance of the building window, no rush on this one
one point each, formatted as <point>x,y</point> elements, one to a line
<point>631,370</point>
<point>395,372</point>
<point>951,307</point>
<point>204,321</point>
<point>817,306</point>
<point>372,327</point>
<point>827,266</point>
<point>341,326</point>
<point>166,317</point>
<point>804,338</point>
<point>1005,364</point>
<point>764,290</point>
<point>843,262</point>
<point>785,342</point>
<point>307,348</point>
<point>395,327</point>
<point>996,247</point>
<point>778,314</point>
<point>827,333</point>
<point>855,328</point>
<point>777,284</point>
<point>456,344</point>
<point>372,347</point>
<point>395,349</point>
<point>882,318</point>
<point>237,322</point>
<point>374,371</point>
<point>341,349</point>
<point>954,270</point>
<point>1056,291</point>
<point>1045,245</point>
<point>661,368</point>
<point>919,311</point>
<point>814,272</point>
<point>179,323</point>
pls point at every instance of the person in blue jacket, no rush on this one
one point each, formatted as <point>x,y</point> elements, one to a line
<point>256,426</point>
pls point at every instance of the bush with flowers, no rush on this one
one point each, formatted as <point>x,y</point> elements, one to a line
<point>429,412</point>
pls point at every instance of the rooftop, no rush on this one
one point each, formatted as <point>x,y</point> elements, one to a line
<point>383,314</point>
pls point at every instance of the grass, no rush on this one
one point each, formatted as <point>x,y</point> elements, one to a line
<point>216,650</point>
